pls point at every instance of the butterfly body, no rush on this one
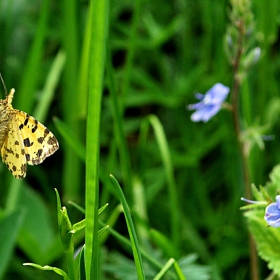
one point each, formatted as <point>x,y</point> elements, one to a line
<point>23,139</point>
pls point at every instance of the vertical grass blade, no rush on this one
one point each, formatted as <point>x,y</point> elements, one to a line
<point>41,110</point>
<point>168,166</point>
<point>33,64</point>
<point>71,97</point>
<point>119,131</point>
<point>99,26</point>
<point>131,46</point>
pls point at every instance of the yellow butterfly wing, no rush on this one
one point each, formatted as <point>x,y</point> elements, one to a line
<point>27,141</point>
<point>13,153</point>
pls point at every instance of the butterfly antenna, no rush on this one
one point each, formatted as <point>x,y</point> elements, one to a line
<point>3,83</point>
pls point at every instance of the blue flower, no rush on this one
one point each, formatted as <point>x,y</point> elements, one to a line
<point>272,213</point>
<point>210,103</point>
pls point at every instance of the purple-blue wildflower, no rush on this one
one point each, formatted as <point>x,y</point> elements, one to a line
<point>210,103</point>
<point>272,213</point>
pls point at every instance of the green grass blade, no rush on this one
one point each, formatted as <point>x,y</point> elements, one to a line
<point>120,132</point>
<point>99,25</point>
<point>166,268</point>
<point>131,230</point>
<point>82,275</point>
<point>131,46</point>
<point>179,271</point>
<point>43,106</point>
<point>71,97</point>
<point>84,69</point>
<point>70,138</point>
<point>167,162</point>
<point>127,245</point>
<point>33,64</point>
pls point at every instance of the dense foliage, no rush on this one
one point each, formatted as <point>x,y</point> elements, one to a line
<point>182,180</point>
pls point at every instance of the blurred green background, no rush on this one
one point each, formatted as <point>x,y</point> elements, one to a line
<point>185,196</point>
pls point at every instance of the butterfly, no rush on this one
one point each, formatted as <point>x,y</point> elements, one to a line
<point>23,139</point>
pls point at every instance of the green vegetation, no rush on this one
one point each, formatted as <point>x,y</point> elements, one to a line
<point>111,80</point>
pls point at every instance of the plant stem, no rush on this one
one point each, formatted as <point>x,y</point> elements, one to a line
<point>98,36</point>
<point>70,261</point>
<point>238,131</point>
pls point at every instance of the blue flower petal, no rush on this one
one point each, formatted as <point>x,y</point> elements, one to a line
<point>218,93</point>
<point>272,215</point>
<point>278,201</point>
<point>199,96</point>
<point>210,103</point>
<point>196,106</point>
<point>205,114</point>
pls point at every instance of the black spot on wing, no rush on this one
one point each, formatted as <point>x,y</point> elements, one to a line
<point>46,132</point>
<point>39,153</point>
<point>26,120</point>
<point>9,151</point>
<point>52,141</point>
<point>35,127</point>
<point>27,143</point>
<point>23,170</point>
<point>27,157</point>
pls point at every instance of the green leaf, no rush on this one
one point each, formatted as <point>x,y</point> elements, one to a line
<point>9,226</point>
<point>58,206</point>
<point>192,270</point>
<point>65,229</point>
<point>274,186</point>
<point>102,230</point>
<point>275,175</point>
<point>47,267</point>
<point>101,209</point>
<point>267,239</point>
<point>78,226</point>
<point>37,238</point>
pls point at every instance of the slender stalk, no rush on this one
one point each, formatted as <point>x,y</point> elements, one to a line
<point>235,111</point>
<point>238,131</point>
<point>99,30</point>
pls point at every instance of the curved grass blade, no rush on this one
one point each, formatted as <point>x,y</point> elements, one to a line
<point>47,267</point>
<point>131,230</point>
